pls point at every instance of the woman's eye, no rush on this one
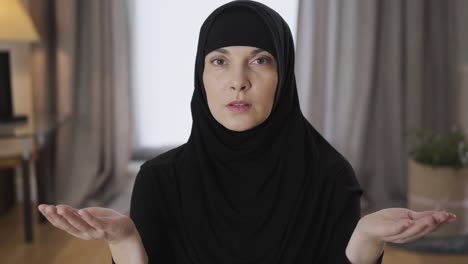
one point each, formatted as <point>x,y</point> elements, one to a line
<point>262,60</point>
<point>218,61</point>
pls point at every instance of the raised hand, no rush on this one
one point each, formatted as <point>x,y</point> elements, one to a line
<point>401,225</point>
<point>90,223</point>
<point>397,225</point>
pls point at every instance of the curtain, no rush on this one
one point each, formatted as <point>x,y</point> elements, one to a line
<point>81,69</point>
<point>369,71</point>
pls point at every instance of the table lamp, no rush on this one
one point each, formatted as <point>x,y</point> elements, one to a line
<point>15,26</point>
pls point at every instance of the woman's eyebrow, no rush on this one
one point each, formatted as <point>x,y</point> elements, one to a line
<point>256,51</point>
<point>221,50</point>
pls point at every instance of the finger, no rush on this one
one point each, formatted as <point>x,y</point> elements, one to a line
<point>452,219</point>
<point>50,220</point>
<point>60,222</point>
<point>101,211</point>
<point>415,229</point>
<point>448,219</point>
<point>64,206</point>
<point>424,232</point>
<point>92,220</point>
<point>41,207</point>
<point>419,226</point>
<point>443,217</point>
<point>418,215</point>
<point>397,227</point>
<point>47,216</point>
<point>48,212</point>
<point>74,219</point>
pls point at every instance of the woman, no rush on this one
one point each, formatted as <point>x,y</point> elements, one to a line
<point>255,183</point>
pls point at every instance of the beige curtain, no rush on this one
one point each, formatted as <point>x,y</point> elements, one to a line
<point>368,71</point>
<point>81,69</point>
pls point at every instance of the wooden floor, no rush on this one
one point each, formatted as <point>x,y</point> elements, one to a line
<point>52,246</point>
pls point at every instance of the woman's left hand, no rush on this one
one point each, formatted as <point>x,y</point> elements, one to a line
<point>401,225</point>
<point>396,225</point>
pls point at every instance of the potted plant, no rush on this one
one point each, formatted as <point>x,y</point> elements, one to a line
<point>438,176</point>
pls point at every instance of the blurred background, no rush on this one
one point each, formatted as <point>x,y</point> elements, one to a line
<point>90,89</point>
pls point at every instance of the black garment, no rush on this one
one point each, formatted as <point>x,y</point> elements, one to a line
<point>277,193</point>
<point>229,30</point>
<point>159,232</point>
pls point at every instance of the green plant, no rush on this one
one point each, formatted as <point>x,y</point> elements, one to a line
<point>439,150</point>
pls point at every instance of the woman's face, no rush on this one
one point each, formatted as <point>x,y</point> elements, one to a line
<point>240,84</point>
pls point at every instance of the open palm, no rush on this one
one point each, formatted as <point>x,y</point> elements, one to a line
<point>89,223</point>
<point>401,225</point>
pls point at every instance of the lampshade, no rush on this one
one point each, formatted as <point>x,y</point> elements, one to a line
<point>15,23</point>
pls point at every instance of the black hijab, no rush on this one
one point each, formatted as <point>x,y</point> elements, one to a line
<point>270,194</point>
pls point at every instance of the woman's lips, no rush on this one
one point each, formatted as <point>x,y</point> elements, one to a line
<point>239,106</point>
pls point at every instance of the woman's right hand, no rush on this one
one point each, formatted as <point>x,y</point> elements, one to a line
<point>90,223</point>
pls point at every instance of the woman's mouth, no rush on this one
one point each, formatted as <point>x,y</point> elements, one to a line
<point>239,106</point>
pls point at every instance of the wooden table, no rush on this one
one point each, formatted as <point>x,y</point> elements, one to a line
<point>41,133</point>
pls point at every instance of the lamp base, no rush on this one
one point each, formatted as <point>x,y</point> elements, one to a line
<point>13,119</point>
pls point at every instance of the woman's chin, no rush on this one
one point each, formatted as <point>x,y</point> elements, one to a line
<point>239,127</point>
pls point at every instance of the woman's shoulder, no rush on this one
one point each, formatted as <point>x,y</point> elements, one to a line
<point>334,164</point>
<point>158,167</point>
<point>166,158</point>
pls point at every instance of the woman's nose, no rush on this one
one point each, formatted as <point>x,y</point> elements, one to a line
<point>239,87</point>
<point>240,80</point>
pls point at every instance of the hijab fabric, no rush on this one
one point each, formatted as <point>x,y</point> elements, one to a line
<point>239,26</point>
<point>264,195</point>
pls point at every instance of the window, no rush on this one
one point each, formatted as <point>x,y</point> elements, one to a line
<point>164,43</point>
